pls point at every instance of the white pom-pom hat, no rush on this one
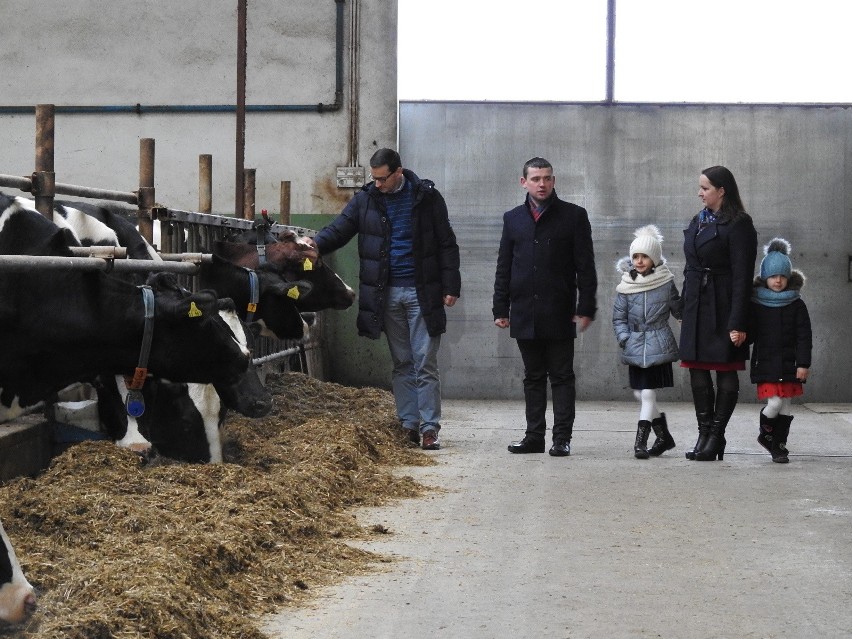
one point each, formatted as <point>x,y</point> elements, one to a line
<point>648,242</point>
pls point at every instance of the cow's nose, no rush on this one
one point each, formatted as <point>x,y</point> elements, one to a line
<point>261,407</point>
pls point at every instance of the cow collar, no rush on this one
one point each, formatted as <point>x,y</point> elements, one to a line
<point>141,371</point>
<point>254,295</point>
<point>261,228</point>
<point>135,403</point>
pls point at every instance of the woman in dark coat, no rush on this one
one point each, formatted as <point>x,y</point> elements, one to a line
<point>720,247</point>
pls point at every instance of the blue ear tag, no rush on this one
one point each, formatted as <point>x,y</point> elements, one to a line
<point>135,403</point>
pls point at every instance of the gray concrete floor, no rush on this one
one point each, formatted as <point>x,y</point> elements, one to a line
<point>603,545</point>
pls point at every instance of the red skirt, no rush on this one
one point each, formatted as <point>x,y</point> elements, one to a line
<point>715,366</point>
<point>765,390</point>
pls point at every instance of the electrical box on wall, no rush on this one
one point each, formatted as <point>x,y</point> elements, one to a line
<point>351,177</point>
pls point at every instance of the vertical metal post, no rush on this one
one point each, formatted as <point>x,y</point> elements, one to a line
<point>44,179</point>
<point>146,188</point>
<point>242,10</point>
<point>205,183</point>
<point>285,203</point>
<point>610,51</point>
<point>248,194</point>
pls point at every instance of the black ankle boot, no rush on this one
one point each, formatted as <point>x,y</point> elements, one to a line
<point>767,426</point>
<point>664,441</point>
<point>640,448</point>
<point>779,441</point>
<point>714,448</point>
<point>704,399</point>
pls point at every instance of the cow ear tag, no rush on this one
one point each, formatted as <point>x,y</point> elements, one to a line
<point>308,265</point>
<point>135,403</point>
<point>293,293</point>
<point>194,311</point>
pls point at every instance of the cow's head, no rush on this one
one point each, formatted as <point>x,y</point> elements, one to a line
<point>294,259</point>
<point>247,396</point>
<point>192,343</point>
<point>17,597</point>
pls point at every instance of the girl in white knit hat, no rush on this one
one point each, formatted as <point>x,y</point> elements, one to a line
<point>645,298</point>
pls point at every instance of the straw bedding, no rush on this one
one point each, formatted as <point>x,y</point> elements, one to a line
<point>121,549</point>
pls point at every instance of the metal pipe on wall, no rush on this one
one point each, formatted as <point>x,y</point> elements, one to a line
<point>141,109</point>
<point>239,185</point>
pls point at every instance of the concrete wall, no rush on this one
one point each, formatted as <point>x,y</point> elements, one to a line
<point>627,165</point>
<point>126,52</point>
<point>630,166</point>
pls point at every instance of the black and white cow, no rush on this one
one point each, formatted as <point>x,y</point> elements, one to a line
<point>193,404</point>
<point>61,327</point>
<point>17,597</point>
<point>277,313</point>
<point>294,258</point>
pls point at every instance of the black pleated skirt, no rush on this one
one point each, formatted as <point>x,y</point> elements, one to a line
<point>659,376</point>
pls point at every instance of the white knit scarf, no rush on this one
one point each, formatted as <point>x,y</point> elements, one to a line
<point>661,275</point>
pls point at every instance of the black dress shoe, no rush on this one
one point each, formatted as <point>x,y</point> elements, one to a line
<point>527,445</point>
<point>560,448</point>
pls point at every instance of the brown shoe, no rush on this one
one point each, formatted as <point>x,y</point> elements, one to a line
<point>430,440</point>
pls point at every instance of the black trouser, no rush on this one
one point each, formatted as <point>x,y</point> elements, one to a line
<point>552,358</point>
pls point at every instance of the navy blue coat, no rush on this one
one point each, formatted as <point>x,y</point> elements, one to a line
<point>716,291</point>
<point>545,271</point>
<point>436,253</point>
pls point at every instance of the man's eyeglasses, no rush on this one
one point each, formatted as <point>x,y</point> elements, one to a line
<point>381,180</point>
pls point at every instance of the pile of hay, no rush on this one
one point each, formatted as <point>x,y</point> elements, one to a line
<point>117,549</point>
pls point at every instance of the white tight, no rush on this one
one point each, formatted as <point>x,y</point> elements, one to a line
<point>649,410</point>
<point>777,406</point>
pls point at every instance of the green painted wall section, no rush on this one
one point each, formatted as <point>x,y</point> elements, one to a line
<point>348,359</point>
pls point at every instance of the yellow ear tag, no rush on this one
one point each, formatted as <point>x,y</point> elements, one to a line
<point>308,265</point>
<point>293,293</point>
<point>251,308</point>
<point>194,311</point>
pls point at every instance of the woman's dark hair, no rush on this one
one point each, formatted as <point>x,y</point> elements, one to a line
<point>722,178</point>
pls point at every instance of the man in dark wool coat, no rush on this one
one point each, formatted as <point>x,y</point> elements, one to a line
<point>544,289</point>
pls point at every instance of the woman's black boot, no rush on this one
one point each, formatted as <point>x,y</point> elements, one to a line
<point>726,402</point>
<point>640,448</point>
<point>704,399</point>
<point>664,441</point>
<point>779,441</point>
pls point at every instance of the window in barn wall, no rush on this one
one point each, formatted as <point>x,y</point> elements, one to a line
<point>665,50</point>
<point>502,50</point>
<point>732,51</point>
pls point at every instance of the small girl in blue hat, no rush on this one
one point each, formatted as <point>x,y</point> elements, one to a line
<point>781,334</point>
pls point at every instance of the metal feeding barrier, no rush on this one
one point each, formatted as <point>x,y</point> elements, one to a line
<point>185,237</point>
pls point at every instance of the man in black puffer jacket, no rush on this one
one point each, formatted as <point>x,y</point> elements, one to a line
<point>409,272</point>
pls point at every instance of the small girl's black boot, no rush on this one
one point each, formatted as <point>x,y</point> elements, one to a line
<point>640,448</point>
<point>664,441</point>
